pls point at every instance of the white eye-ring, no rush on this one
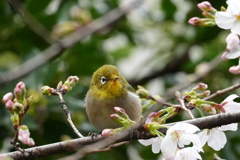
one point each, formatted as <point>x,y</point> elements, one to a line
<point>103,80</point>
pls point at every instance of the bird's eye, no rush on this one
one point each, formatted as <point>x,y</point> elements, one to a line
<point>103,80</point>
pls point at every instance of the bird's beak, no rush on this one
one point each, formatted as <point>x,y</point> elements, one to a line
<point>114,78</point>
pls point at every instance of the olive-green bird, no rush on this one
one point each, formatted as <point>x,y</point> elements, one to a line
<point>109,89</point>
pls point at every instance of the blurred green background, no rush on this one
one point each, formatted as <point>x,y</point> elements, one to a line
<point>144,42</point>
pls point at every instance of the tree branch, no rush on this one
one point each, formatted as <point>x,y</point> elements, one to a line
<point>89,144</point>
<point>29,20</point>
<point>223,91</point>
<point>58,47</point>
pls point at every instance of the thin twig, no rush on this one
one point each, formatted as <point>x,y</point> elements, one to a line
<point>184,107</point>
<point>160,101</point>
<point>223,91</point>
<point>68,114</point>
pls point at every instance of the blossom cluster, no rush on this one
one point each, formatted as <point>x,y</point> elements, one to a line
<point>228,19</point>
<point>61,87</point>
<point>18,108</point>
<point>182,141</point>
<point>181,135</point>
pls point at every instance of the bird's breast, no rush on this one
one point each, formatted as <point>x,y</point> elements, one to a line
<point>100,109</point>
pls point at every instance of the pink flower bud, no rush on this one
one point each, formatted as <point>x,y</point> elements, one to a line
<point>153,116</point>
<point>205,93</point>
<point>107,132</point>
<point>9,105</point>
<point>24,136</point>
<point>6,97</point>
<point>235,69</point>
<point>114,116</point>
<point>121,112</point>
<point>118,109</point>
<point>17,91</point>
<point>201,87</point>
<point>195,21</point>
<point>201,22</point>
<point>21,86</point>
<point>20,91</point>
<point>206,6</point>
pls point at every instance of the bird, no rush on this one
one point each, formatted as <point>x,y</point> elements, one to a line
<point>109,89</point>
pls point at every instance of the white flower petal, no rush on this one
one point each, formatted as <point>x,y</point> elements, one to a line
<point>236,26</point>
<point>217,139</point>
<point>234,53</point>
<point>229,127</point>
<point>156,146</point>
<point>203,136</point>
<point>188,138</point>
<point>224,20</point>
<point>229,105</point>
<point>147,142</point>
<point>168,147</point>
<point>188,153</point>
<point>232,107</point>
<point>230,98</point>
<point>185,127</point>
<point>232,41</point>
<point>233,7</point>
<point>155,142</point>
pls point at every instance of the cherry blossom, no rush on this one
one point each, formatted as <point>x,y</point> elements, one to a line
<point>6,97</point>
<point>155,142</point>
<point>177,137</point>
<point>230,19</point>
<point>233,46</point>
<point>215,137</point>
